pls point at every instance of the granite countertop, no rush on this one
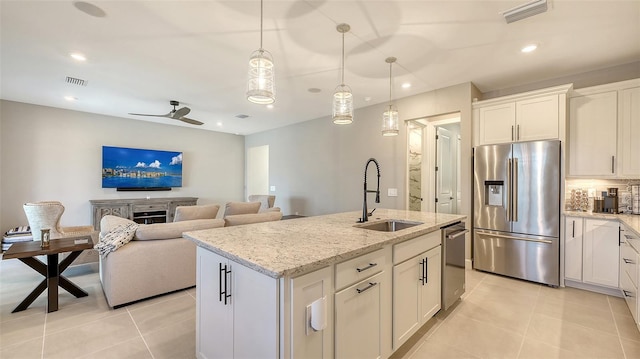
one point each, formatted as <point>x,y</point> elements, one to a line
<point>297,246</point>
<point>631,221</point>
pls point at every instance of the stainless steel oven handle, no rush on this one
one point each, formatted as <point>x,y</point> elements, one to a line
<point>518,238</point>
<point>457,234</point>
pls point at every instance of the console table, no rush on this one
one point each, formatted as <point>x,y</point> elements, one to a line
<point>140,210</point>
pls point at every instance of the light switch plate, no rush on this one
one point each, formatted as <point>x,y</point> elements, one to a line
<point>392,192</point>
<point>272,188</point>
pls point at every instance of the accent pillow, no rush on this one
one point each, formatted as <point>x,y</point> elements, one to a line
<point>232,208</point>
<point>239,219</point>
<point>186,213</point>
<point>117,237</point>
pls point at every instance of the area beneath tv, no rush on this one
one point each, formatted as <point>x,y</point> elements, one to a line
<point>132,189</point>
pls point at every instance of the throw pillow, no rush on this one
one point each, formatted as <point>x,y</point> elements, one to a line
<point>117,237</point>
<point>232,208</point>
<point>186,213</point>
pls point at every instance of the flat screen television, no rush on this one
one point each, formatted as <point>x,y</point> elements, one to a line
<point>135,169</point>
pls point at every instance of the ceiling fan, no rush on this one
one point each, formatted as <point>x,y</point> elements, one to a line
<point>175,114</point>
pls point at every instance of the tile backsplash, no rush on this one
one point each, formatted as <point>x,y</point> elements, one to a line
<point>595,187</point>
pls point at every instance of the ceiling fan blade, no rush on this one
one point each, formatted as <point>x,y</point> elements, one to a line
<point>190,120</point>
<point>181,112</point>
<point>144,114</point>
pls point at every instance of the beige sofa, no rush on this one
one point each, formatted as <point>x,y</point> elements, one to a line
<point>158,259</point>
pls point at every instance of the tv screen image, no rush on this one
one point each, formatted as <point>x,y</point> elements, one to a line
<point>131,168</point>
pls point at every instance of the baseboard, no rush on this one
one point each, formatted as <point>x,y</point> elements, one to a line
<point>614,292</point>
<point>468,264</point>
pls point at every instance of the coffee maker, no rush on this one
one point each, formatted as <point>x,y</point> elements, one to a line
<point>610,197</point>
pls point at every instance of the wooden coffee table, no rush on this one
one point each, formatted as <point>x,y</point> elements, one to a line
<point>27,251</point>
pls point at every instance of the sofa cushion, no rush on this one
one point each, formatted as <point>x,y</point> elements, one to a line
<point>239,219</point>
<point>174,229</point>
<point>115,238</point>
<point>108,222</point>
<point>185,213</point>
<point>233,208</point>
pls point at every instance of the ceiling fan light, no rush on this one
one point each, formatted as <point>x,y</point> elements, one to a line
<point>342,105</point>
<point>261,84</point>
<point>390,122</point>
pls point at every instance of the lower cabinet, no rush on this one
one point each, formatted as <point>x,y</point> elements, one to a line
<point>630,271</point>
<point>601,252</point>
<point>573,248</point>
<point>236,310</point>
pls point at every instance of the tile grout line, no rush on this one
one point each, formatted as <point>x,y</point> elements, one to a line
<point>615,324</point>
<point>524,336</point>
<point>44,333</point>
<point>139,332</point>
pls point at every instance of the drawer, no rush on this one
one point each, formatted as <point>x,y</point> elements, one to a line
<point>359,268</point>
<point>150,207</point>
<point>629,261</point>
<point>412,247</point>
<point>630,294</point>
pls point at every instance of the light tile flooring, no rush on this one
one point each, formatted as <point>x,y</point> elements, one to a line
<point>497,318</point>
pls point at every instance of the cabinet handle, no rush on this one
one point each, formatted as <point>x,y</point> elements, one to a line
<point>371,265</point>
<point>518,133</point>
<point>371,285</point>
<point>613,158</point>
<point>512,136</point>
<point>627,293</point>
<point>628,261</point>
<point>573,233</point>
<point>425,274</point>
<point>225,293</point>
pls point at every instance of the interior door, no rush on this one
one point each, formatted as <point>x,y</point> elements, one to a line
<point>446,171</point>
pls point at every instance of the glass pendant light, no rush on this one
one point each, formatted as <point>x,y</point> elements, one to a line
<point>261,84</point>
<point>342,97</point>
<point>390,116</point>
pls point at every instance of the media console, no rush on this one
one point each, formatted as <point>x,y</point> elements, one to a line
<point>140,210</point>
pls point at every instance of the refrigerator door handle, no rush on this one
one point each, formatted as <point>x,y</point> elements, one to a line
<point>509,179</point>
<point>514,210</point>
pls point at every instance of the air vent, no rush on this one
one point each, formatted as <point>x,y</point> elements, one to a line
<point>242,116</point>
<point>76,81</point>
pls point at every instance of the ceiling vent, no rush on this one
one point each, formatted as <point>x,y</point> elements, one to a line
<point>76,81</point>
<point>525,10</point>
<point>242,116</point>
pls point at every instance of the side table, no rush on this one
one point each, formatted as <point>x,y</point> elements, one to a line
<point>27,252</point>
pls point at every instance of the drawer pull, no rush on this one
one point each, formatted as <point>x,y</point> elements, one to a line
<point>628,261</point>
<point>371,265</point>
<point>371,285</point>
<point>627,293</point>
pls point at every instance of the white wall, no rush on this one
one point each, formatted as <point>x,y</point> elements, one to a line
<point>54,154</point>
<point>318,167</point>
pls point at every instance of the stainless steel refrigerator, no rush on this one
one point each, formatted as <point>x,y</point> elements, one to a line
<point>516,224</point>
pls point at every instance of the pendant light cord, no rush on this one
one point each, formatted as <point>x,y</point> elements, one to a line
<point>343,58</point>
<point>261,24</point>
<point>390,65</point>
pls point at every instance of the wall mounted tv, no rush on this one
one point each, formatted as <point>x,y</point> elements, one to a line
<point>134,169</point>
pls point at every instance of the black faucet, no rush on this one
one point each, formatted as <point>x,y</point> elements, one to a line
<point>365,212</point>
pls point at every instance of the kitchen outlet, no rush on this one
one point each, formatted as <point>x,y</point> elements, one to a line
<point>272,188</point>
<point>392,192</point>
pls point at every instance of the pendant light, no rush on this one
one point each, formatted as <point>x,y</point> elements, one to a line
<point>390,116</point>
<point>261,84</point>
<point>342,97</point>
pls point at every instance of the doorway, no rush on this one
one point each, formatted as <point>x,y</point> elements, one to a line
<point>433,147</point>
<point>257,177</point>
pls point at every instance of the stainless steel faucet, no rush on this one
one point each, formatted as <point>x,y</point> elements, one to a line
<point>365,212</point>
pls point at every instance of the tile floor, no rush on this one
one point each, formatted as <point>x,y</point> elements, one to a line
<point>497,318</point>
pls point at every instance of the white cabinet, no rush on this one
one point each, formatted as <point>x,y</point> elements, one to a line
<point>573,248</point>
<point>604,124</point>
<point>416,285</point>
<point>629,272</point>
<point>536,115</point>
<point>230,322</point>
<point>629,133</point>
<point>601,252</point>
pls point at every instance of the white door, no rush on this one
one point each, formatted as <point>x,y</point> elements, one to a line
<point>257,170</point>
<point>601,252</point>
<point>430,297</point>
<point>446,158</point>
<point>537,119</point>
<point>406,308</point>
<point>573,248</point>
<point>629,133</point>
<point>496,123</point>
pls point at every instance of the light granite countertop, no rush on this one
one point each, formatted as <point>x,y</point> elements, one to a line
<point>297,246</point>
<point>631,221</point>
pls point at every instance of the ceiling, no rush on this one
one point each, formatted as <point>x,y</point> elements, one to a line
<point>141,54</point>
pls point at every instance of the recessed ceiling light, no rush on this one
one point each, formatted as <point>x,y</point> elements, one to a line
<point>78,56</point>
<point>269,106</point>
<point>70,98</point>
<point>529,48</point>
<point>367,99</point>
<point>219,124</point>
<point>406,85</point>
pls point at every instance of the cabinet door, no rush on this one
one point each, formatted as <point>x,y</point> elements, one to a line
<point>537,119</point>
<point>430,298</point>
<point>214,319</point>
<point>629,133</point>
<point>601,252</point>
<point>407,283</point>
<point>573,248</point>
<point>357,319</point>
<point>592,134</point>
<point>497,123</point>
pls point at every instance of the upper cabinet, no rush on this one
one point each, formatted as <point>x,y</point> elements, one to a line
<point>603,123</point>
<point>535,115</point>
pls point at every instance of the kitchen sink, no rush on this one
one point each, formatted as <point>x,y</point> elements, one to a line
<point>389,225</point>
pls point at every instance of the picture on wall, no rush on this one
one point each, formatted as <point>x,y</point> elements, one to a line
<point>134,168</point>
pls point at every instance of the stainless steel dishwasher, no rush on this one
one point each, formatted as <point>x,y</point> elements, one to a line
<point>453,244</point>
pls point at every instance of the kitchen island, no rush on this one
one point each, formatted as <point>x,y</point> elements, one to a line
<point>316,286</point>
